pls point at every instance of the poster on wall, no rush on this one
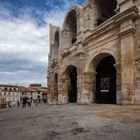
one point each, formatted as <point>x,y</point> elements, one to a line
<point>104,84</point>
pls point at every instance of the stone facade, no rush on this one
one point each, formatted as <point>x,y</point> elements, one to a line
<point>14,93</point>
<point>2,102</point>
<point>92,32</point>
<point>10,93</point>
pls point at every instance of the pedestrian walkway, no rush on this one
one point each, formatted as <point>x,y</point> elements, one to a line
<point>70,122</point>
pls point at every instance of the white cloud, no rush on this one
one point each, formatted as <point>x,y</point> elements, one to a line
<point>23,39</point>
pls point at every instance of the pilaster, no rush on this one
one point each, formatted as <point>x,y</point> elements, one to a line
<point>63,90</point>
<point>118,83</point>
<point>89,88</point>
<point>127,31</point>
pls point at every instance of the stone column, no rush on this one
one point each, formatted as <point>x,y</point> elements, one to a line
<point>79,23</point>
<point>125,4</point>
<point>51,91</point>
<point>63,90</point>
<point>127,31</point>
<point>95,13</point>
<point>66,42</point>
<point>89,88</point>
<point>127,65</point>
<point>53,50</point>
<point>80,62</point>
<point>79,88</point>
<point>118,83</point>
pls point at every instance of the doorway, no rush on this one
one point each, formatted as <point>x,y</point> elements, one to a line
<point>56,87</point>
<point>106,81</point>
<point>72,86</point>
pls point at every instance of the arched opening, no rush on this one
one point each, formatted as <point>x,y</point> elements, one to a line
<point>71,25</point>
<point>105,10</point>
<point>72,84</point>
<point>56,43</point>
<point>56,87</point>
<point>106,81</point>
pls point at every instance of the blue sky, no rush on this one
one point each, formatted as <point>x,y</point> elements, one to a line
<point>24,38</point>
<point>37,8</point>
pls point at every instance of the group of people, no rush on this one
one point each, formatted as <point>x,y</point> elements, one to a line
<point>26,101</point>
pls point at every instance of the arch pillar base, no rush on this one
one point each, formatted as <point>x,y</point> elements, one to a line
<point>88,88</point>
<point>63,93</point>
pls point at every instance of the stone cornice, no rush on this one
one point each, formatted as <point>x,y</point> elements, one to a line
<point>108,25</point>
<point>65,52</point>
<point>131,13</point>
<point>126,32</point>
<point>80,52</point>
<point>72,48</point>
<point>123,1</point>
<point>65,30</point>
<point>54,62</point>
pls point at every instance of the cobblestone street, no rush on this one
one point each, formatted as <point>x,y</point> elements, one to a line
<point>71,122</point>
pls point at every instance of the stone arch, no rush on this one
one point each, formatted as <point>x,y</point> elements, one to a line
<point>106,80</point>
<point>79,11</point>
<point>72,22</point>
<point>94,58</point>
<point>65,70</point>
<point>101,65</point>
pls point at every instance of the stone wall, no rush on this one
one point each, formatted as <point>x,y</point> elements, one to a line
<point>118,36</point>
<point>137,57</point>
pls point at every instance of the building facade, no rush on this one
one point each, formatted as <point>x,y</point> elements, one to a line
<point>95,56</point>
<point>2,102</point>
<point>27,92</point>
<point>14,94</point>
<point>42,92</point>
<point>10,93</point>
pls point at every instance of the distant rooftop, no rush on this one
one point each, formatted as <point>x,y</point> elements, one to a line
<point>35,85</point>
<point>6,85</point>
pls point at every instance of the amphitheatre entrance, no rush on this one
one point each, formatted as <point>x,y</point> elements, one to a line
<point>72,84</point>
<point>106,81</point>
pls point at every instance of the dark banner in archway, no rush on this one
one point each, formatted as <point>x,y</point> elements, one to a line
<point>104,85</point>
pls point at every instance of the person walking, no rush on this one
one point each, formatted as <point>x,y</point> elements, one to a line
<point>18,103</point>
<point>24,102</point>
<point>36,102</point>
<point>9,104</point>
